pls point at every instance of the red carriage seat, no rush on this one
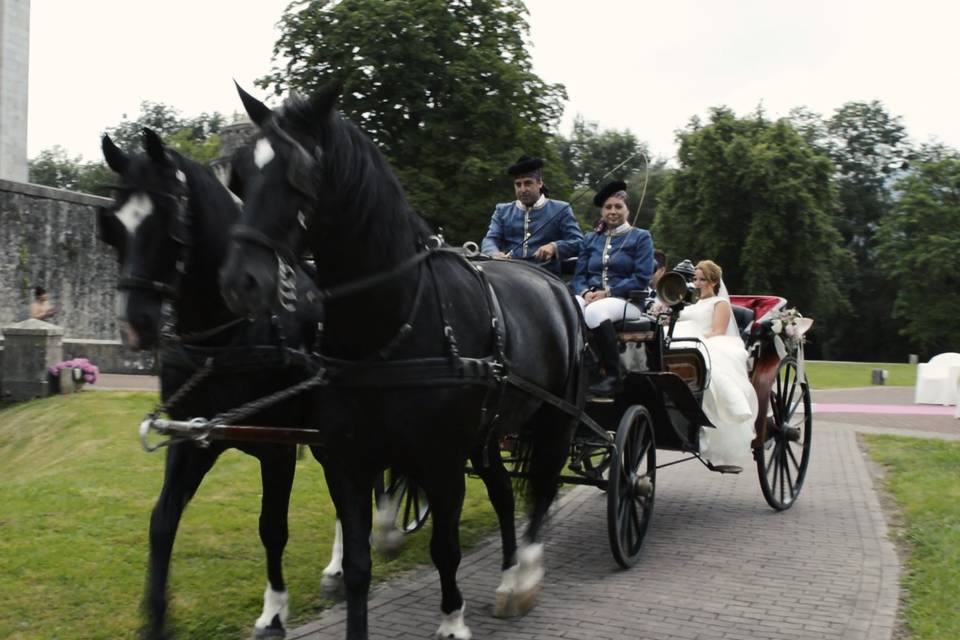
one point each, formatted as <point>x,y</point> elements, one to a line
<point>749,310</point>
<point>760,305</point>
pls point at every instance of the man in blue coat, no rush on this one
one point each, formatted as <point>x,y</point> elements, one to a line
<point>533,227</point>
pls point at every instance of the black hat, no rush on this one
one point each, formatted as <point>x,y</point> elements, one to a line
<point>608,190</point>
<point>524,165</point>
<point>686,269</point>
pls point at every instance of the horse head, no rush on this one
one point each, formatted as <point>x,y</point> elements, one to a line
<point>283,186</point>
<point>147,226</point>
<point>168,225</point>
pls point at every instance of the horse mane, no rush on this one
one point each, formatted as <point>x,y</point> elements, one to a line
<point>367,189</point>
<point>207,194</point>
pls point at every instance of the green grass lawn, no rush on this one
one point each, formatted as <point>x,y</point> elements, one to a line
<point>924,478</point>
<point>77,492</point>
<point>842,375</point>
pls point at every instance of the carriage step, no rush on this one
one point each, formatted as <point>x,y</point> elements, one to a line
<point>600,399</point>
<point>726,468</point>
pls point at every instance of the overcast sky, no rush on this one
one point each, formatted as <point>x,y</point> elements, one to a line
<point>630,64</point>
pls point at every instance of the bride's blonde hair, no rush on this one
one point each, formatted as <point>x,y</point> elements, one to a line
<point>712,272</point>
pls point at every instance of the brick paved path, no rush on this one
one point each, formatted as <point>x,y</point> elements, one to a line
<point>718,563</point>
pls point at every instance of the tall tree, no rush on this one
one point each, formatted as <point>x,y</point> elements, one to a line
<point>54,168</point>
<point>444,87</point>
<point>869,148</point>
<point>753,196</point>
<point>589,154</point>
<point>196,138</point>
<point>918,246</point>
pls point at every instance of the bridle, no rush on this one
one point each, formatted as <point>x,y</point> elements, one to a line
<point>169,292</point>
<point>300,170</point>
<point>183,237</point>
<point>300,173</point>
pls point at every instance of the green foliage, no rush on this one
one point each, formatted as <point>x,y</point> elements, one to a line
<point>919,250</point>
<point>196,138</point>
<point>753,196</point>
<point>54,168</point>
<point>445,88</point>
<point>922,477</point>
<point>592,157</point>
<point>589,154</point>
<point>869,149</point>
<point>77,492</point>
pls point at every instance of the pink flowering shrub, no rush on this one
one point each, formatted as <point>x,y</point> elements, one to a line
<point>88,371</point>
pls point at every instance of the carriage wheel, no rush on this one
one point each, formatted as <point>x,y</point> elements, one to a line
<point>782,459</point>
<point>632,481</point>
<point>413,507</point>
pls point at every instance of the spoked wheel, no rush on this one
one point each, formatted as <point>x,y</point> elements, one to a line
<point>782,458</point>
<point>631,486</point>
<point>413,508</point>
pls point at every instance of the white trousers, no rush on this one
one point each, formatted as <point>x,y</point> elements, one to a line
<point>613,309</point>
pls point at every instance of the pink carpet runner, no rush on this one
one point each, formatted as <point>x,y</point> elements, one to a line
<point>889,409</point>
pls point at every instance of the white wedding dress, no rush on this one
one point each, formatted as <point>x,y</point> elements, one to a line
<point>729,400</point>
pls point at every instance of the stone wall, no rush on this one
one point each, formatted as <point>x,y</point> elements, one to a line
<point>48,238</point>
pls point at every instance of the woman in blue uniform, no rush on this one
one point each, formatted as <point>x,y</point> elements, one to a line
<point>614,260</point>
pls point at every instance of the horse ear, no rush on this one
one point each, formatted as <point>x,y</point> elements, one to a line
<point>116,159</point>
<point>326,98</point>
<point>154,146</point>
<point>259,113</point>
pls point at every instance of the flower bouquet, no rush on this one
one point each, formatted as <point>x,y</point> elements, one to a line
<point>80,371</point>
<point>789,325</point>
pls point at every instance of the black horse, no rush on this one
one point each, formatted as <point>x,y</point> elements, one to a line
<point>170,227</point>
<point>403,319</point>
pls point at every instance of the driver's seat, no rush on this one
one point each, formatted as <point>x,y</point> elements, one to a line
<point>744,318</point>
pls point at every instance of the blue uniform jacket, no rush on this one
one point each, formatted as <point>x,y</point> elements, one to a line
<point>552,221</point>
<point>629,262</point>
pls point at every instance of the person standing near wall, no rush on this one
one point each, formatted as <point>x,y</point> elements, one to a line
<point>40,308</point>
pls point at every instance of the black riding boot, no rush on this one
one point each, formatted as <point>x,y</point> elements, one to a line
<point>605,340</point>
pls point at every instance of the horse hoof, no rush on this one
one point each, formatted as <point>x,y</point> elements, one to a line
<point>388,542</point>
<point>504,605</point>
<point>453,627</point>
<point>524,601</point>
<point>332,587</point>
<point>273,630</point>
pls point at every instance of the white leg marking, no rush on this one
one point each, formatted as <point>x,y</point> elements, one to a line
<point>453,626</point>
<point>504,603</point>
<point>274,603</point>
<point>335,568</point>
<point>518,589</point>
<point>134,211</point>
<point>531,567</point>
<point>386,537</point>
<point>262,153</point>
<point>331,581</point>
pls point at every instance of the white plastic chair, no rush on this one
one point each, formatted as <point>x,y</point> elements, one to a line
<point>937,380</point>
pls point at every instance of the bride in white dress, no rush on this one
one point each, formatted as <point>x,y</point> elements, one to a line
<point>729,400</point>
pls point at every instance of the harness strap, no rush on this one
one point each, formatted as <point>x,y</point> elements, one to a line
<point>355,286</point>
<point>253,236</point>
<point>145,284</point>
<point>405,374</point>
